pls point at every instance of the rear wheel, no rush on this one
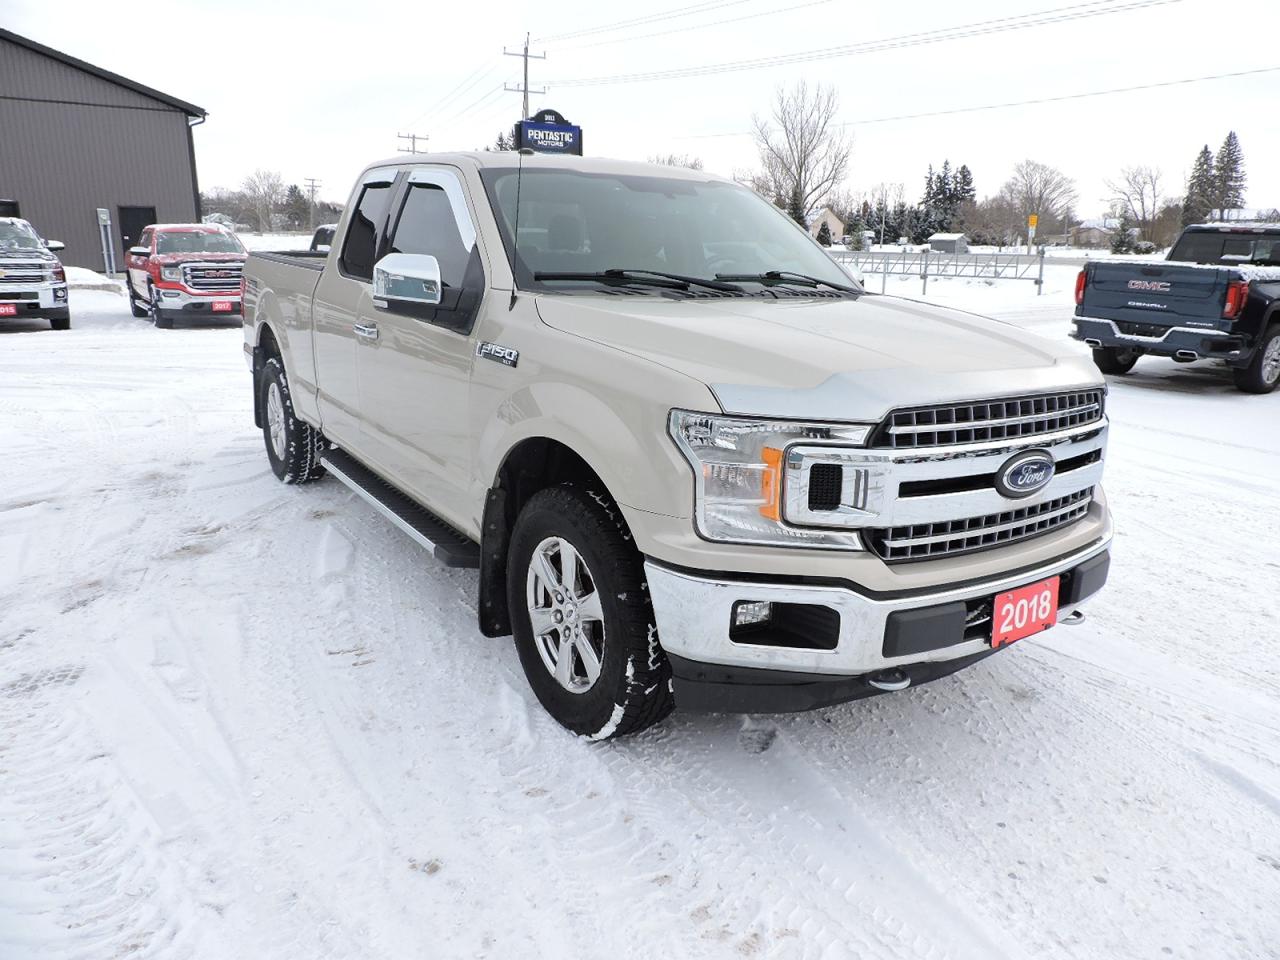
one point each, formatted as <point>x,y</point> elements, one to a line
<point>583,624</point>
<point>294,446</point>
<point>1116,360</point>
<point>1263,372</point>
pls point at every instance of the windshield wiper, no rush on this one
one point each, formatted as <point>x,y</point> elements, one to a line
<point>770,277</point>
<point>655,278</point>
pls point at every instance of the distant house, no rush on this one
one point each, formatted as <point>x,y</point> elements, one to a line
<point>1094,233</point>
<point>949,243</point>
<point>827,216</point>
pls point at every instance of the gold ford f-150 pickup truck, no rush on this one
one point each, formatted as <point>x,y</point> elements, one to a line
<point>694,462</point>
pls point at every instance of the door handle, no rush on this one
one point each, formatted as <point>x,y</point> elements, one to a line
<point>367,330</point>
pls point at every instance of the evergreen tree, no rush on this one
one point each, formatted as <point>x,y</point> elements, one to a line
<point>297,210</point>
<point>795,207</point>
<point>930,196</point>
<point>1122,242</point>
<point>824,234</point>
<point>506,140</point>
<point>1229,178</point>
<point>962,189</point>
<point>944,188</point>
<point>1201,189</point>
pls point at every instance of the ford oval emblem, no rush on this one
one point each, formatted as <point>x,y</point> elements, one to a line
<point>1025,474</point>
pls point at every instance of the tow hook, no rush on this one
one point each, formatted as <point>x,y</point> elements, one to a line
<point>889,680</point>
<point>1073,619</point>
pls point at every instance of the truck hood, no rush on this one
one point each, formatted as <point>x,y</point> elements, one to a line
<point>826,359</point>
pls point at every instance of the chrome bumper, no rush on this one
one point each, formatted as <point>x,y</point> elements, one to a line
<point>693,615</point>
<point>49,296</point>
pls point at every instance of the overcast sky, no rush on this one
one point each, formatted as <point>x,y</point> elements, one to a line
<point>319,89</point>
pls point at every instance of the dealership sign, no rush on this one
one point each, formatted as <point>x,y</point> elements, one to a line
<point>547,131</point>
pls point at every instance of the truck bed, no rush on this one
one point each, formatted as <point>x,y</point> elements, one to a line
<point>309,259</point>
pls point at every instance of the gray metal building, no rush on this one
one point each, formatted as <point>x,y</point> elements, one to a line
<point>75,138</point>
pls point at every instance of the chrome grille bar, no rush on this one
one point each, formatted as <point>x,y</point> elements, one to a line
<point>213,278</point>
<point>999,419</point>
<point>927,541</point>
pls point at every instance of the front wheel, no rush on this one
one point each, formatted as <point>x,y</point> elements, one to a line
<point>294,446</point>
<point>1116,360</point>
<point>583,624</point>
<point>62,322</point>
<point>1263,372</point>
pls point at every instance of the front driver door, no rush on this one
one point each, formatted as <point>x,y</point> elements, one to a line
<point>415,375</point>
<point>136,267</point>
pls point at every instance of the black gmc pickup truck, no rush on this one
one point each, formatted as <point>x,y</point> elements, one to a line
<point>1216,297</point>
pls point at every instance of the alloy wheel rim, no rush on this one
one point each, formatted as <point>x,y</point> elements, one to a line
<point>565,614</point>
<point>275,420</point>
<point>1271,361</point>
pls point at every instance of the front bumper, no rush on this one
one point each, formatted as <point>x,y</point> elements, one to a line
<point>171,301</point>
<point>42,300</point>
<point>1204,342</point>
<point>923,634</point>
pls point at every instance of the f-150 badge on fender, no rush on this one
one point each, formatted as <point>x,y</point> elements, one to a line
<point>498,353</point>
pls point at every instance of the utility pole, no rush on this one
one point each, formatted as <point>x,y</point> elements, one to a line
<point>413,139</point>
<point>524,87</point>
<point>312,186</point>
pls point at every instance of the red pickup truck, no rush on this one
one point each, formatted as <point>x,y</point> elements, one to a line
<point>188,270</point>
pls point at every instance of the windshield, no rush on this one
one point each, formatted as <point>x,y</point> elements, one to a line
<point>587,223</point>
<point>1227,248</point>
<point>18,235</point>
<point>197,241</point>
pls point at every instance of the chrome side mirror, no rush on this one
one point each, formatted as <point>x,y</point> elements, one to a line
<point>55,245</point>
<point>403,279</point>
<point>139,252</point>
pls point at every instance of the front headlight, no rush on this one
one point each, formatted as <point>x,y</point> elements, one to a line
<point>171,273</point>
<point>738,466</point>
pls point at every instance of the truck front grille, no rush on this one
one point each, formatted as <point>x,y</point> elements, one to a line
<point>946,538</point>
<point>1010,418</point>
<point>213,278</point>
<point>24,274</point>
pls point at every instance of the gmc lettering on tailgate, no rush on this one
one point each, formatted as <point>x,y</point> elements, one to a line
<point>1154,286</point>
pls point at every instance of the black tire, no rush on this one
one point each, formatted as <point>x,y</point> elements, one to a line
<point>1115,360</point>
<point>633,688</point>
<point>61,323</point>
<point>1262,375</point>
<point>137,308</point>
<point>300,445</point>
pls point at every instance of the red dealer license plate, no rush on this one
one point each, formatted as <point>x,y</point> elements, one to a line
<point>8,309</point>
<point>222,306</point>
<point>1022,612</point>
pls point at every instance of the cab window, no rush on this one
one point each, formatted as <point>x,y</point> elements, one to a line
<point>358,247</point>
<point>427,225</point>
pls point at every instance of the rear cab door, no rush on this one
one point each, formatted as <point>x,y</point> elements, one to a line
<point>415,373</point>
<point>342,308</point>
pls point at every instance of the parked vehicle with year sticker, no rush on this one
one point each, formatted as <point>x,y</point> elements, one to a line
<point>33,283</point>
<point>188,271</point>
<point>693,461</point>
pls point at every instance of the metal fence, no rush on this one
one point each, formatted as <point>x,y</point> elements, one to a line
<point>932,263</point>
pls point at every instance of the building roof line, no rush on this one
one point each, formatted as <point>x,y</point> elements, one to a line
<point>190,109</point>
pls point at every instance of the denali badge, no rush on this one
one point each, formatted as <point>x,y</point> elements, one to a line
<point>1155,286</point>
<point>497,353</point>
<point>1024,474</point>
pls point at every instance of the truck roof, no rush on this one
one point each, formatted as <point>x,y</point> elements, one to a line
<point>507,159</point>
<point>1238,226</point>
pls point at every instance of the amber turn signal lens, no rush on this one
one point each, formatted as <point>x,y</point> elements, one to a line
<point>771,484</point>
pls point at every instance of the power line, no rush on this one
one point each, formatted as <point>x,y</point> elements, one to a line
<point>696,26</point>
<point>1012,103</point>
<point>671,14</point>
<point>458,90</point>
<point>1095,8</point>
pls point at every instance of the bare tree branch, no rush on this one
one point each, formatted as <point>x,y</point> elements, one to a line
<point>1138,192</point>
<point>803,152</point>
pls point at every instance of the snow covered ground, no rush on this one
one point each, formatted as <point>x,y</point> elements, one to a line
<point>244,720</point>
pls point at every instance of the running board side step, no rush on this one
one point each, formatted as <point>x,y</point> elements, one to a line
<point>451,547</point>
